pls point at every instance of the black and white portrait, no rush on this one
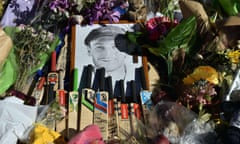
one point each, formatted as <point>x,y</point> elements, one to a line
<point>106,46</point>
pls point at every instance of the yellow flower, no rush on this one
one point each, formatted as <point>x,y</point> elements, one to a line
<point>202,72</point>
<point>234,56</point>
<point>43,135</point>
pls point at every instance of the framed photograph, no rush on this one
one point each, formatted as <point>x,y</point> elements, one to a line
<point>105,46</point>
<point>102,50</point>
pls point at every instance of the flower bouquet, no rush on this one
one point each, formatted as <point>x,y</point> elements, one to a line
<point>197,56</point>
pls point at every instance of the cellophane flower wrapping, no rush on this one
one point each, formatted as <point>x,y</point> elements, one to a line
<point>179,124</point>
<point>169,119</point>
<point>199,132</point>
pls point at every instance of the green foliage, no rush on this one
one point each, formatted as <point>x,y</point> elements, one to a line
<point>231,7</point>
<point>178,37</point>
<point>167,7</point>
<point>32,50</point>
<point>133,36</point>
<point>182,36</point>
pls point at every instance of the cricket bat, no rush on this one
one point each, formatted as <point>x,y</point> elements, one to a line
<point>117,105</point>
<point>112,121</point>
<point>82,85</point>
<point>61,99</point>
<point>123,114</point>
<point>61,93</point>
<point>145,97</point>
<point>101,105</point>
<point>39,90</point>
<point>134,105</point>
<point>52,79</point>
<point>73,103</point>
<point>135,109</point>
<point>87,101</point>
<point>38,87</point>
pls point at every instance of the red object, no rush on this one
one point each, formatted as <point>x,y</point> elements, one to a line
<point>41,83</point>
<point>110,107</point>
<point>54,61</point>
<point>161,139</point>
<point>137,111</point>
<point>52,78</point>
<point>28,100</point>
<point>159,26</point>
<point>124,111</point>
<point>62,97</point>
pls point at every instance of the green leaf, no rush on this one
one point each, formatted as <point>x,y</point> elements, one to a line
<point>157,52</point>
<point>230,6</point>
<point>10,31</point>
<point>170,67</point>
<point>133,36</point>
<point>182,36</point>
<point>45,56</point>
<point>191,43</point>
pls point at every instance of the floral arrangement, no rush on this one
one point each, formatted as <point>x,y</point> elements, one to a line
<point>196,59</point>
<point>111,10</point>
<point>31,51</point>
<point>187,58</point>
<point>57,15</point>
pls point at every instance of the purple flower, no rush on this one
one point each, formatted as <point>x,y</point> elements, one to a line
<point>105,10</point>
<point>59,4</point>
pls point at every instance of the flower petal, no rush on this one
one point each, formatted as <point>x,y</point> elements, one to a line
<point>202,72</point>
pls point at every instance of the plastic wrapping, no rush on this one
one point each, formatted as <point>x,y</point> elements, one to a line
<point>18,12</point>
<point>6,46</point>
<point>180,125</point>
<point>233,94</point>
<point>15,119</point>
<point>169,119</point>
<point>199,132</point>
<point>8,73</point>
<point>7,62</point>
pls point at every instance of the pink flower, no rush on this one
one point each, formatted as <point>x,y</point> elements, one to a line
<point>200,93</point>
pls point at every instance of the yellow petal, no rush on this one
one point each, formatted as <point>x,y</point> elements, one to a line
<point>42,134</point>
<point>234,56</point>
<point>202,72</point>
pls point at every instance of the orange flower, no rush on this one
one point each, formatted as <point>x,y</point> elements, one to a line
<point>202,72</point>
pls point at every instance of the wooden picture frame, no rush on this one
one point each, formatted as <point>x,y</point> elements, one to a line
<point>79,56</point>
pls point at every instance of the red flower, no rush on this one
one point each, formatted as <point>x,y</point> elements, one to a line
<point>159,26</point>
